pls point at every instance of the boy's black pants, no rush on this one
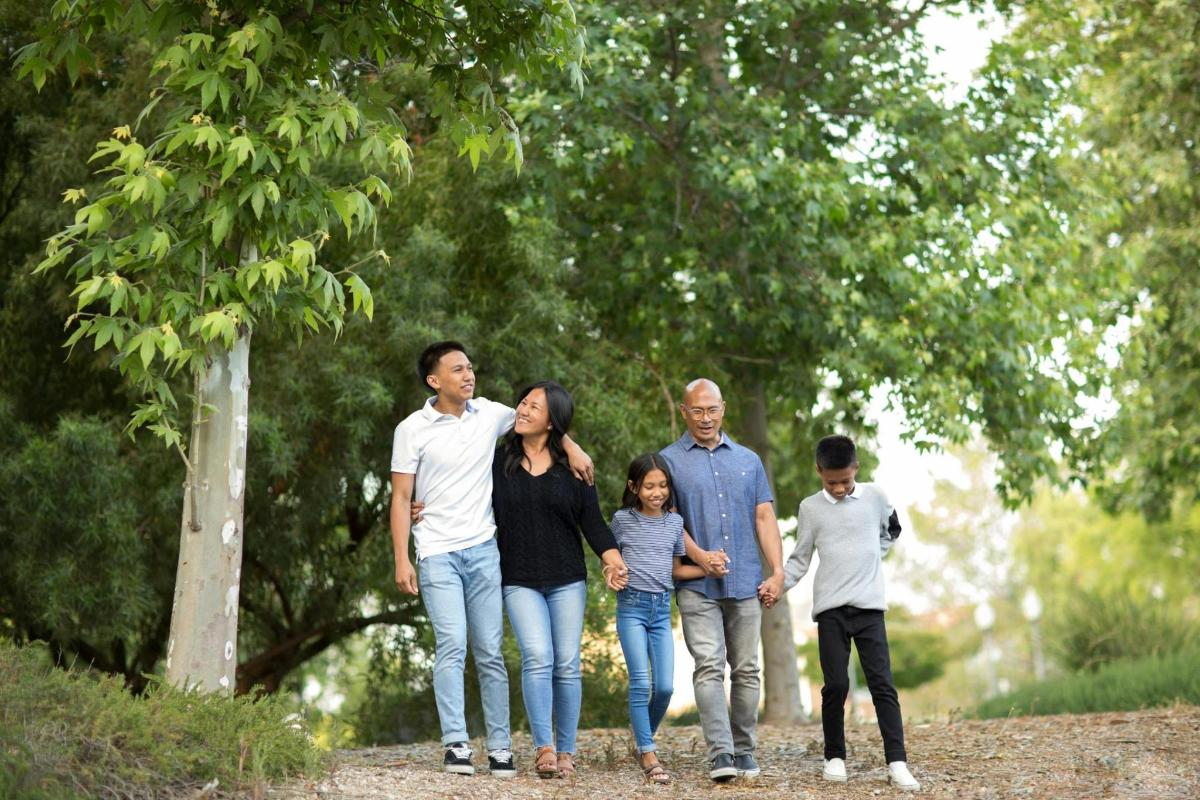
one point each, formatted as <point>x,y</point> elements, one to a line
<point>835,628</point>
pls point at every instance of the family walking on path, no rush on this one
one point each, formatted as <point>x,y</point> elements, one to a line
<point>500,530</point>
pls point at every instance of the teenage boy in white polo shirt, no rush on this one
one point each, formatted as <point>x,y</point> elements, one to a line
<point>442,460</point>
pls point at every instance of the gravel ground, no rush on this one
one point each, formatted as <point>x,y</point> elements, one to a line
<point>1145,754</point>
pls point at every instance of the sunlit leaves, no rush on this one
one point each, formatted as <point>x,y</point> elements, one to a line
<point>258,139</point>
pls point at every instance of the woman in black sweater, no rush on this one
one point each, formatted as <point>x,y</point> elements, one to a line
<point>540,509</point>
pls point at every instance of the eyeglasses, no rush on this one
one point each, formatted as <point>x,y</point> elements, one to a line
<point>712,412</point>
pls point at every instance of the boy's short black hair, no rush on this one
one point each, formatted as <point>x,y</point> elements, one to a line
<point>432,354</point>
<point>836,452</point>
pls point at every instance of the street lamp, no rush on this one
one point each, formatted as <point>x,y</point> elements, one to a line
<point>985,618</point>
<point>1031,607</point>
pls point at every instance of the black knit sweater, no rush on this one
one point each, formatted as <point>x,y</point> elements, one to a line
<point>538,520</point>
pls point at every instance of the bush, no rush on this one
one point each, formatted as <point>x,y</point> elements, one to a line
<point>1091,629</point>
<point>71,733</point>
<point>917,656</point>
<point>1129,685</point>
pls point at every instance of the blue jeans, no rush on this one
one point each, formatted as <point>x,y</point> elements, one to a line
<point>461,591</point>
<point>644,628</point>
<point>548,623</point>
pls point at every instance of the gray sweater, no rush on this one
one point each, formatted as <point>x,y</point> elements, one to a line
<point>852,536</point>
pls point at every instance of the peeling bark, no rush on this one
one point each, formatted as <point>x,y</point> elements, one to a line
<point>202,647</point>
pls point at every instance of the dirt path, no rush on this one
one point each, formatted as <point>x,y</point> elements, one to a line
<point>1146,754</point>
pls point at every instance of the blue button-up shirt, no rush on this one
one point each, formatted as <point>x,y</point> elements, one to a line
<point>718,492</point>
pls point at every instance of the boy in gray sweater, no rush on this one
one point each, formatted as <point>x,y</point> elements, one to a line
<point>852,526</point>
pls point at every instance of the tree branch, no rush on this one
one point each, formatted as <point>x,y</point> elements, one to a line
<point>281,657</point>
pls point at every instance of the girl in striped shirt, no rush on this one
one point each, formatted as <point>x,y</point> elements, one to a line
<point>650,538</point>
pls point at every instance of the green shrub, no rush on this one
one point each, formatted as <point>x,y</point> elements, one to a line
<point>917,656</point>
<point>1155,680</point>
<point>1091,629</point>
<point>71,733</point>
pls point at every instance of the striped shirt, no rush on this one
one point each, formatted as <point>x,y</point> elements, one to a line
<point>648,546</point>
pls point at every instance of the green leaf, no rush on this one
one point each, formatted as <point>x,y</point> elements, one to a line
<point>242,148</point>
<point>221,222</point>
<point>473,146</point>
<point>343,205</point>
<point>304,255</point>
<point>208,91</point>
<point>89,290</point>
<point>360,295</point>
<point>161,245</point>
<point>257,200</point>
<point>273,272</point>
<point>149,342</point>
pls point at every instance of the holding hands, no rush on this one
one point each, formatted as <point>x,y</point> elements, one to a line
<point>770,590</point>
<point>616,574</point>
<point>715,563</point>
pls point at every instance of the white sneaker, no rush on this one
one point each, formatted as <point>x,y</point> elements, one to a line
<point>901,778</point>
<point>835,770</point>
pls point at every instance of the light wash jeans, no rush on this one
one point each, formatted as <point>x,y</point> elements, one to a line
<point>548,623</point>
<point>644,628</point>
<point>461,591</point>
<point>716,632</point>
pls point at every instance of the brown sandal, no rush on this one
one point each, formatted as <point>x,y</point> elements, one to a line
<point>657,773</point>
<point>544,763</point>
<point>566,766</point>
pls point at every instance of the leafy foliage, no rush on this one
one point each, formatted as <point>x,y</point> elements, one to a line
<point>918,656</point>
<point>217,218</point>
<point>1127,685</point>
<point>67,733</point>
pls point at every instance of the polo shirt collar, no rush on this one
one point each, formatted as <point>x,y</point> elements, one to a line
<point>856,494</point>
<point>688,442</point>
<point>432,414</point>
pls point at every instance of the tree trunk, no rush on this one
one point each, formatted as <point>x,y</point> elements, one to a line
<point>202,647</point>
<point>780,677</point>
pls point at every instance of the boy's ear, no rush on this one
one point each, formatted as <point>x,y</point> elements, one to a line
<point>818,467</point>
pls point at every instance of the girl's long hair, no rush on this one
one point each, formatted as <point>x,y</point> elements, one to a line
<point>639,468</point>
<point>562,411</point>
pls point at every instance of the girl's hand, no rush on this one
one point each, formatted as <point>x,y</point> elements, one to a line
<point>715,563</point>
<point>616,574</point>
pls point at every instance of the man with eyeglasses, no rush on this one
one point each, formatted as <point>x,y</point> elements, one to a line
<point>721,491</point>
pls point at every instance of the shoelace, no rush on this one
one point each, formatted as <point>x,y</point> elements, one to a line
<point>501,755</point>
<point>460,751</point>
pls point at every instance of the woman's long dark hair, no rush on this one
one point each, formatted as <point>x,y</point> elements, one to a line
<point>562,411</point>
<point>639,468</point>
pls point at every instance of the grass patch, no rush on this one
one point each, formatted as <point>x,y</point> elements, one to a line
<point>72,733</point>
<point>1128,685</point>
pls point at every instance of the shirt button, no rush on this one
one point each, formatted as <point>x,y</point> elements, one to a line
<point>722,516</point>
<point>716,473</point>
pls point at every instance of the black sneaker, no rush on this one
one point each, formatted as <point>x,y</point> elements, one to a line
<point>746,766</point>
<point>501,765</point>
<point>458,759</point>
<point>722,768</point>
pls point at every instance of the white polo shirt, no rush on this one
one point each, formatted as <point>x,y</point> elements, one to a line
<point>452,460</point>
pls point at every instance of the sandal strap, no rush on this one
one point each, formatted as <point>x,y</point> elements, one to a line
<point>542,763</point>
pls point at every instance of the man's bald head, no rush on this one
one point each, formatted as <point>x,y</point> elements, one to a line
<point>703,409</point>
<point>699,383</point>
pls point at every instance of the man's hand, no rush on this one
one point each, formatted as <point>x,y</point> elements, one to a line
<point>770,590</point>
<point>616,574</point>
<point>714,563</point>
<point>406,577</point>
<point>581,465</point>
<point>415,509</point>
